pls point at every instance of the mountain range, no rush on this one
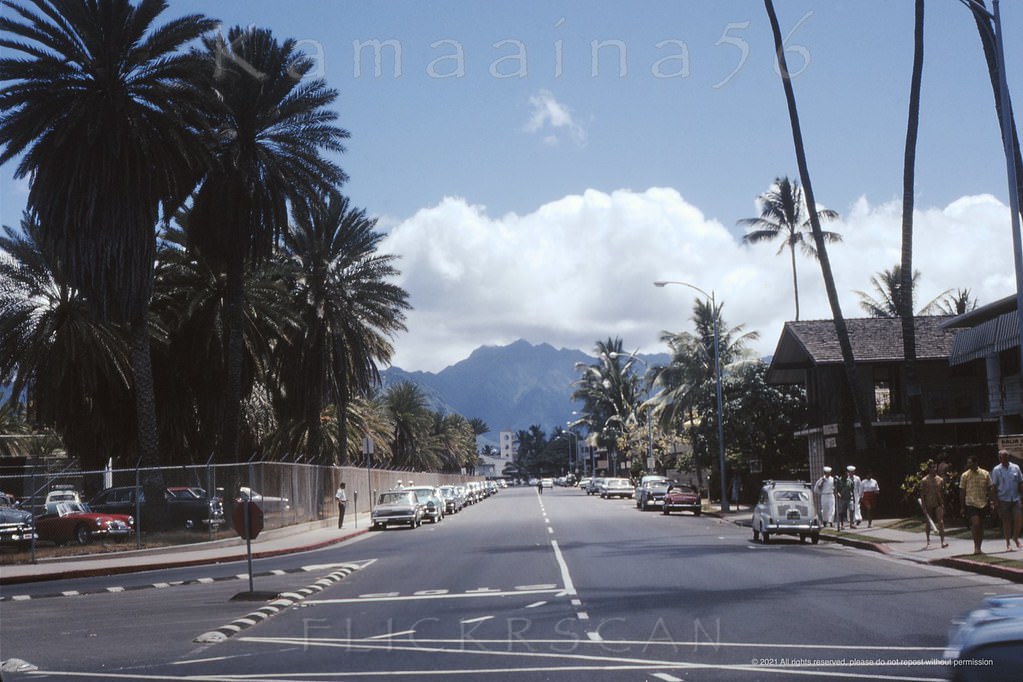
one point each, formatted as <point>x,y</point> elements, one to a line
<point>509,387</point>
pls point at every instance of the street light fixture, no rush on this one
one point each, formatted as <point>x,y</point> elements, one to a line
<point>717,377</point>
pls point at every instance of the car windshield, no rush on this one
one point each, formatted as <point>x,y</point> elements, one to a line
<point>183,493</point>
<point>683,489</point>
<point>395,498</point>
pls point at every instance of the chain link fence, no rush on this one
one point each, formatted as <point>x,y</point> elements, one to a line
<point>287,493</point>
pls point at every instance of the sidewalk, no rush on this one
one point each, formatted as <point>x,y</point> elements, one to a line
<point>885,537</point>
<point>880,538</point>
<point>270,543</point>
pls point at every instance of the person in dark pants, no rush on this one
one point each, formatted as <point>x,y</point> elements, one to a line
<point>342,501</point>
<point>539,486</point>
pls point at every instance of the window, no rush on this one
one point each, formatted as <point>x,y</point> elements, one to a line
<point>882,398</point>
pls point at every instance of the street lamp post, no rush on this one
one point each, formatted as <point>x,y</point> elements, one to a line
<point>717,378</point>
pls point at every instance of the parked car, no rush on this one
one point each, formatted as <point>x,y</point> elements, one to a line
<point>992,634</point>
<point>65,522</point>
<point>267,503</point>
<point>432,501</point>
<point>62,495</point>
<point>616,487</point>
<point>184,510</point>
<point>650,491</point>
<point>681,497</point>
<point>15,524</point>
<point>786,508</point>
<point>453,500</point>
<point>397,507</point>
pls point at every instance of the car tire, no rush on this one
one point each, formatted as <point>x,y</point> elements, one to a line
<point>666,511</point>
<point>767,538</point>
<point>82,534</point>
<point>815,538</point>
<point>697,512</point>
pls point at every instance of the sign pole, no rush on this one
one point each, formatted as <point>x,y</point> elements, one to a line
<point>248,540</point>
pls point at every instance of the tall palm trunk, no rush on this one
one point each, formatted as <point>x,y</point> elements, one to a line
<point>151,478</point>
<point>913,388</point>
<point>795,283</point>
<point>858,400</point>
<point>234,348</point>
<point>145,401</point>
<point>985,28</point>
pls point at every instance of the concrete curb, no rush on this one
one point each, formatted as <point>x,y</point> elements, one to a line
<point>154,561</point>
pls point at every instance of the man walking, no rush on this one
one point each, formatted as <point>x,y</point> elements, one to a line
<point>342,501</point>
<point>931,491</point>
<point>1006,483</point>
<point>824,488</point>
<point>974,492</point>
<point>857,496</point>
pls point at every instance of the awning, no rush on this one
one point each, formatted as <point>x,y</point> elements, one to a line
<point>990,338</point>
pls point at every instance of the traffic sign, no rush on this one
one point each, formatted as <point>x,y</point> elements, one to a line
<point>255,519</point>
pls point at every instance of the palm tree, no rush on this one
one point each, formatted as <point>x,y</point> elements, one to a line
<point>986,31</point>
<point>188,303</point>
<point>687,384</point>
<point>272,128</point>
<point>890,302</point>
<point>609,391</point>
<point>348,308</point>
<point>905,309</point>
<point>104,111</point>
<point>72,369</point>
<point>956,304</point>
<point>782,215</point>
<point>841,330</point>
<point>411,419</point>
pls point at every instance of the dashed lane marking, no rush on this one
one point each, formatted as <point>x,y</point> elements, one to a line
<point>284,601</point>
<point>164,585</point>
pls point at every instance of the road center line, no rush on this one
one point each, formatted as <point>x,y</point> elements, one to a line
<point>566,578</point>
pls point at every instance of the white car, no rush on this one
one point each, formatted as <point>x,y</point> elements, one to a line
<point>397,507</point>
<point>786,508</point>
<point>547,482</point>
<point>266,502</point>
<point>993,634</point>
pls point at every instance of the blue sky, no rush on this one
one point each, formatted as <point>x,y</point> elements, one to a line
<point>534,190</point>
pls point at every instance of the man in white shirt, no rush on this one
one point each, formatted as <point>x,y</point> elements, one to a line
<point>342,501</point>
<point>1006,483</point>
<point>857,496</point>
<point>824,488</point>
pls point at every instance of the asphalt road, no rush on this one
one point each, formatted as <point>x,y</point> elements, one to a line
<point>562,586</point>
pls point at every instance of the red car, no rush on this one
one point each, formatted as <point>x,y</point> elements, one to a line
<point>66,522</point>
<point>681,497</point>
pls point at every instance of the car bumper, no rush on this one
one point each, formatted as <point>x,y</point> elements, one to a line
<point>684,507</point>
<point>113,532</point>
<point>17,535</point>
<point>402,519</point>
<point>783,528</point>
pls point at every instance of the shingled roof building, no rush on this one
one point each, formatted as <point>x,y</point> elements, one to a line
<point>954,397</point>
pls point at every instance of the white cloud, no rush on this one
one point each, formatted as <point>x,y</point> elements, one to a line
<point>582,268</point>
<point>551,116</point>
